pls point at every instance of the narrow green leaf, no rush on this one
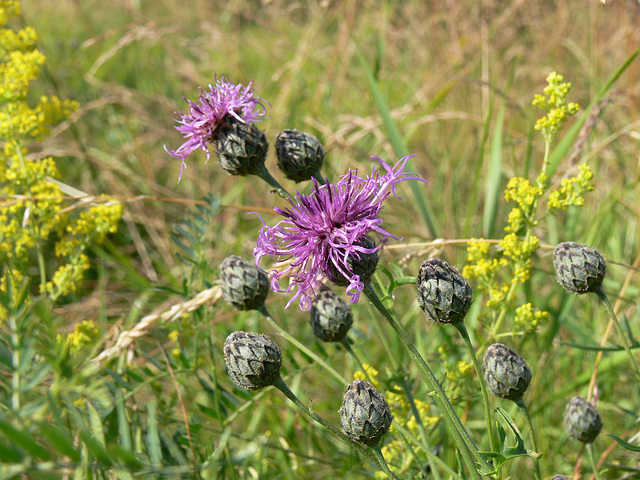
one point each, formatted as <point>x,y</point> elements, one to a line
<point>153,440</point>
<point>625,444</point>
<point>126,456</point>
<point>60,440</point>
<point>96,448</point>
<point>96,424</point>
<point>24,441</point>
<point>10,455</point>
<point>492,192</point>
<point>124,433</point>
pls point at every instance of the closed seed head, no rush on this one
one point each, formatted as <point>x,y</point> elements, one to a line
<point>244,285</point>
<point>331,317</point>
<point>579,269</point>
<point>253,360</point>
<point>365,414</point>
<point>300,155</point>
<point>505,372</point>
<point>582,420</point>
<point>443,294</point>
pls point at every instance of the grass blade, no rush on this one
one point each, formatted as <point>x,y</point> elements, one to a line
<point>492,192</point>
<point>399,147</point>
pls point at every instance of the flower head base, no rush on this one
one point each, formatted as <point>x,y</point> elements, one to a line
<point>221,102</point>
<point>322,230</point>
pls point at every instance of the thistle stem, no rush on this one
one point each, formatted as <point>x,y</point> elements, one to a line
<point>607,306</point>
<point>592,459</point>
<point>319,178</point>
<point>534,443</point>
<point>284,388</point>
<point>466,446</point>
<point>303,348</point>
<point>264,174</point>
<point>383,463</point>
<point>485,396</point>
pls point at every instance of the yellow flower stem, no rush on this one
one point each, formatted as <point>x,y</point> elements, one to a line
<point>466,446</point>
<point>485,396</point>
<point>503,310</point>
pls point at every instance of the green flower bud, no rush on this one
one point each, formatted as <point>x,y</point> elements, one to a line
<point>579,269</point>
<point>360,263</point>
<point>443,294</point>
<point>331,317</point>
<point>241,147</point>
<point>505,372</point>
<point>244,285</point>
<point>300,155</point>
<point>365,414</point>
<point>253,360</point>
<point>581,420</point>
<point>559,477</point>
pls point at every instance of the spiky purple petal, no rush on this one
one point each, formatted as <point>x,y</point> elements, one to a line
<point>324,228</point>
<point>199,125</point>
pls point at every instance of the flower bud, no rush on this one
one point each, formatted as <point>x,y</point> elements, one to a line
<point>244,285</point>
<point>579,269</point>
<point>241,147</point>
<point>559,477</point>
<point>365,414</point>
<point>253,360</point>
<point>443,294</point>
<point>581,420</point>
<point>331,317</point>
<point>505,372</point>
<point>360,263</point>
<point>300,155</point>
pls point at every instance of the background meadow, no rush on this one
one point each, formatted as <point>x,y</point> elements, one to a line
<point>458,79</point>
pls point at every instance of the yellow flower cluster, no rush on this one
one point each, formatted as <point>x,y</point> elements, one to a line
<point>486,270</point>
<point>528,319</point>
<point>84,334</point>
<point>32,215</point>
<point>571,190</point>
<point>554,103</point>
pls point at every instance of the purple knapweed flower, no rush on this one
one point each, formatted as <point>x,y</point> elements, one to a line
<point>199,125</point>
<point>320,231</point>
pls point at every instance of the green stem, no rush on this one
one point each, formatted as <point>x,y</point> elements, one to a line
<point>347,346</point>
<point>302,347</point>
<point>464,442</point>
<point>383,463</point>
<point>607,306</point>
<point>503,310</point>
<point>321,180</point>
<point>592,459</point>
<point>15,363</point>
<point>264,174</point>
<point>283,387</point>
<point>485,396</point>
<point>534,443</point>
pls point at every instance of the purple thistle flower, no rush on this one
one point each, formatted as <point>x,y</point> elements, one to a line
<point>320,231</point>
<point>205,117</point>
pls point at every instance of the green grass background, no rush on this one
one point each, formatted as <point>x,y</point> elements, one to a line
<point>445,70</point>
